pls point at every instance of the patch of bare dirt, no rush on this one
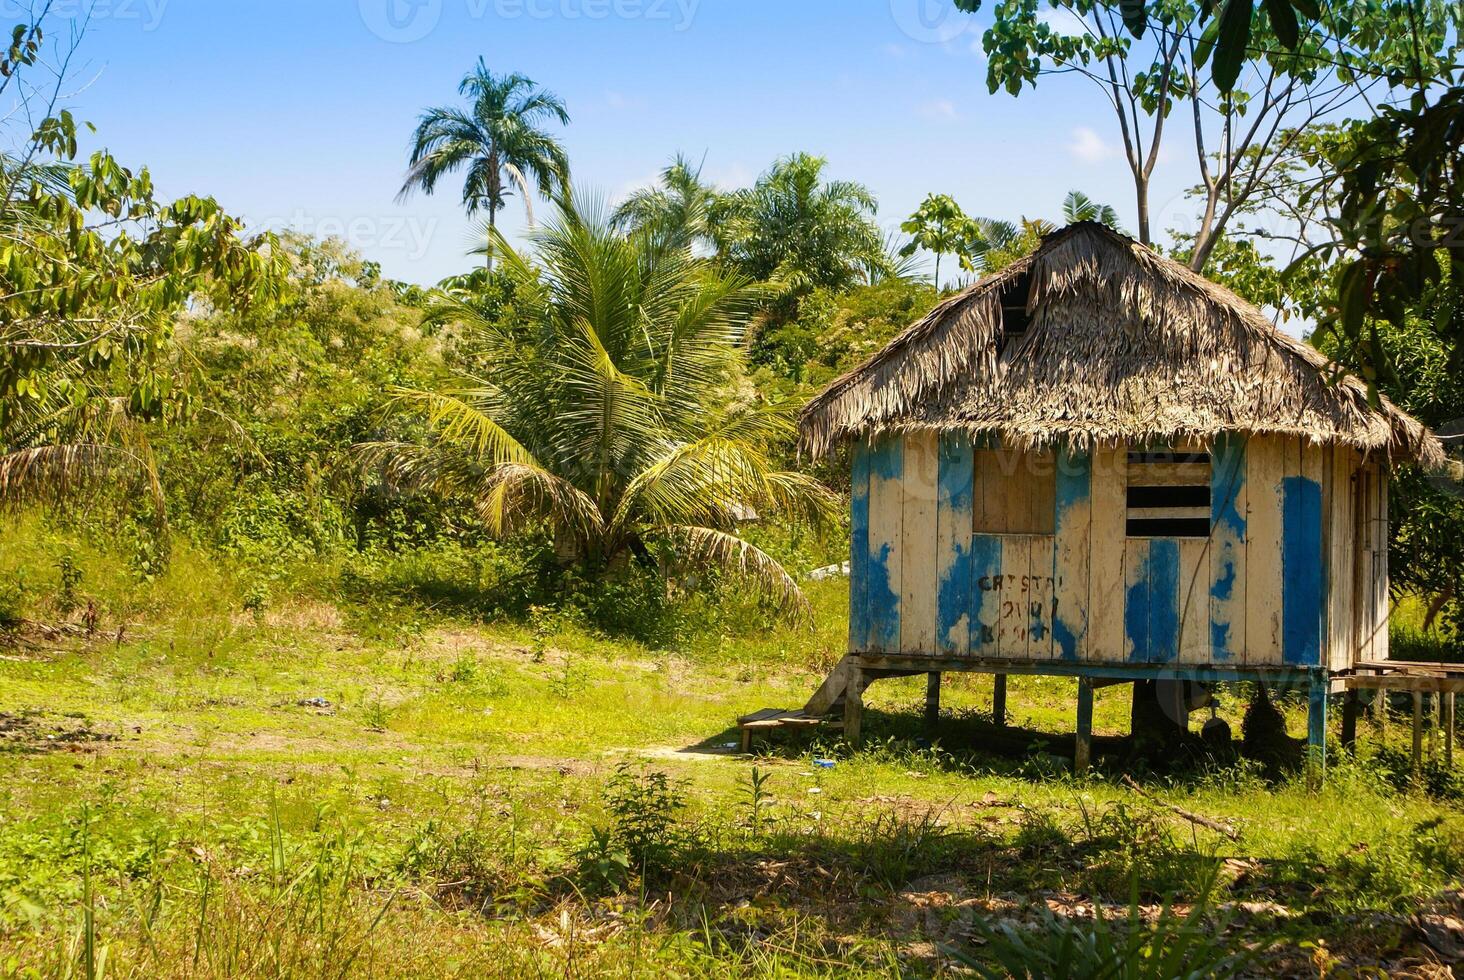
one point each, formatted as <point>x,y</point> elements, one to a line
<point>36,732</point>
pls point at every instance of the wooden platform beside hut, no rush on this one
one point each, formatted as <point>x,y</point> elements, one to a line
<point>1098,464</point>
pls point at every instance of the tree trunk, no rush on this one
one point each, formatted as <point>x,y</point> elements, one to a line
<point>492,223</point>
<point>937,272</point>
<point>1141,194</point>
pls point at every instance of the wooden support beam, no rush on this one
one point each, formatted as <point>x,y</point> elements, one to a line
<point>1083,754</point>
<point>1446,719</point>
<point>1349,722</point>
<point>1417,729</point>
<point>854,707</point>
<point>932,698</point>
<point>998,701</point>
<point>1316,723</point>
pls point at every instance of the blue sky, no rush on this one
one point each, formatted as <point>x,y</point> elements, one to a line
<point>298,113</point>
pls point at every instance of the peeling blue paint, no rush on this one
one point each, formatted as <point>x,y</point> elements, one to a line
<point>985,562</point>
<point>884,605</point>
<point>886,466</point>
<point>1164,599</point>
<point>1301,564</point>
<point>1074,489</point>
<point>1151,605</point>
<point>953,599</point>
<point>1227,483</point>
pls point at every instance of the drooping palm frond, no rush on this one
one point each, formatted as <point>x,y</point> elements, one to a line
<point>701,548</point>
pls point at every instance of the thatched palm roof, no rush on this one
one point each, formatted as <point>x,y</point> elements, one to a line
<point>1122,344</point>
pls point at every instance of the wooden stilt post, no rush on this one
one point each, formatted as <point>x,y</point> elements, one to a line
<point>1431,708</point>
<point>998,702</point>
<point>1446,721</point>
<point>1316,722</point>
<point>1349,722</point>
<point>1083,754</point>
<point>1417,729</point>
<point>854,707</point>
<point>932,698</point>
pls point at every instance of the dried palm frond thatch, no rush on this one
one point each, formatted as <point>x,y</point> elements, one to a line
<point>1122,345</point>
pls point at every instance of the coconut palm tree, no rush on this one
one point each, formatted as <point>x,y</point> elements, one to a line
<point>676,211</point>
<point>498,140</point>
<point>611,410</point>
<point>795,229</point>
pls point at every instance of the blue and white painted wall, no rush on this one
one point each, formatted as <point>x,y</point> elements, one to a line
<point>1293,574</point>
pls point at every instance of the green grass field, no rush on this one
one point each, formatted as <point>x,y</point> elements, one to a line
<point>322,787</point>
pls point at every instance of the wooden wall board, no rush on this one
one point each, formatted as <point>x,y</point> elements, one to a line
<point>918,558</point>
<point>1265,471</point>
<point>886,530</point>
<point>953,547</point>
<point>859,620</point>
<point>1229,506</point>
<point>1074,520</point>
<point>1038,590</point>
<point>1106,556</point>
<point>986,582</point>
<point>1302,555</point>
<point>1194,600</point>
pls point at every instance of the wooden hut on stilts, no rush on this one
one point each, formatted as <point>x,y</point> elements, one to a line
<point>1098,464</point>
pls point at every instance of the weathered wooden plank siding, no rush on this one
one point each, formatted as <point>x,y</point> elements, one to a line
<point>1265,471</point>
<point>1380,569</point>
<point>1301,556</point>
<point>886,529</point>
<point>1039,588</point>
<point>859,619</point>
<point>1074,505</point>
<point>1194,601</point>
<point>1016,566</point>
<point>918,536</point>
<point>1341,557</point>
<point>986,580</point>
<point>953,549</point>
<point>1228,511</point>
<point>1106,569</point>
<point>1294,572</point>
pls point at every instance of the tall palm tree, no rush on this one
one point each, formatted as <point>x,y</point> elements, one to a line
<point>797,230</point>
<point>609,414</point>
<point>498,140</point>
<point>676,211</point>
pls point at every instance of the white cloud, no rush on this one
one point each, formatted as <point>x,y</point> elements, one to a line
<point>1089,147</point>
<point>1063,21</point>
<point>940,109</point>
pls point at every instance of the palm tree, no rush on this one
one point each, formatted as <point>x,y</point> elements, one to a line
<point>608,410</point>
<point>1078,206</point>
<point>498,140</point>
<point>676,211</point>
<point>797,230</point>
